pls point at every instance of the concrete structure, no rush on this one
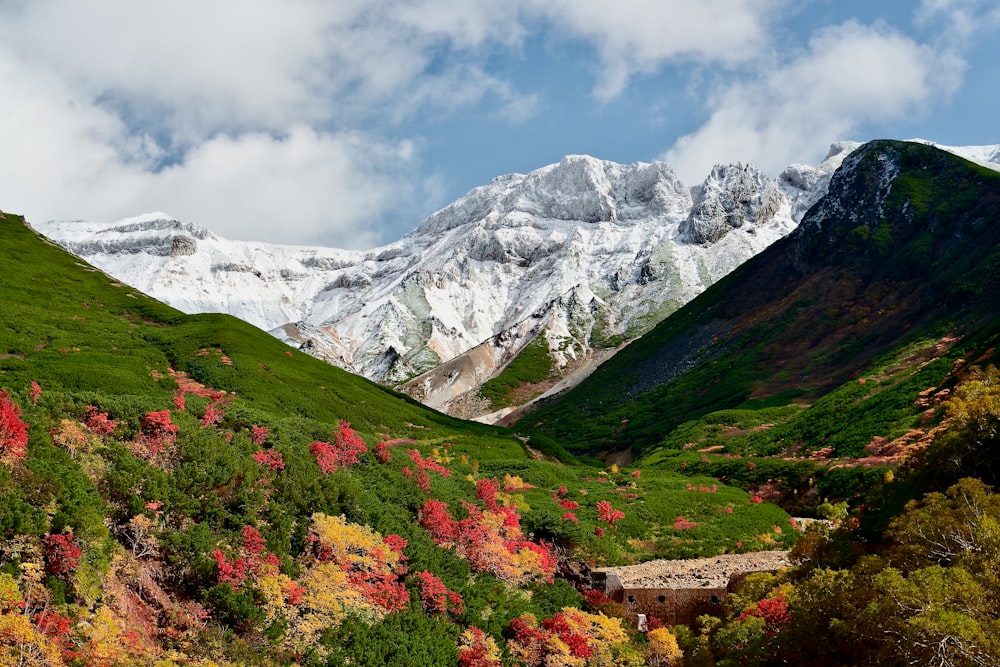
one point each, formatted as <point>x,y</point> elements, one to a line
<point>679,591</point>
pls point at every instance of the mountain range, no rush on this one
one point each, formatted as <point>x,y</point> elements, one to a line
<point>579,257</point>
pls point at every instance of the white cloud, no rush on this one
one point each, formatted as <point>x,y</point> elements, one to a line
<point>637,36</point>
<point>252,106</point>
<point>75,159</point>
<point>851,74</point>
<point>235,65</point>
<point>247,111</point>
<point>958,21</point>
<point>302,187</point>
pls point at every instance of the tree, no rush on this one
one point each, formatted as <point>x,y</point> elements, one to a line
<point>969,447</point>
<point>935,616</point>
<point>662,649</point>
<point>960,525</point>
<point>62,554</point>
<point>22,644</point>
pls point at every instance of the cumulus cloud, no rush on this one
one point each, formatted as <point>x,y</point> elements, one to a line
<point>244,112</point>
<point>234,111</point>
<point>301,187</point>
<point>637,36</point>
<point>75,159</point>
<point>850,74</point>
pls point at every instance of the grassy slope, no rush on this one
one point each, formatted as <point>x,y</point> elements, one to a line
<point>530,367</point>
<point>88,340</point>
<point>800,323</point>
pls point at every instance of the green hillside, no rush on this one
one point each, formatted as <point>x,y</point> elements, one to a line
<point>886,283</point>
<point>193,491</point>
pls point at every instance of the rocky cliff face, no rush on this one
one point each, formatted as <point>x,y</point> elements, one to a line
<point>586,253</point>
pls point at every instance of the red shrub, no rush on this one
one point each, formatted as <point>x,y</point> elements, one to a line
<point>486,493</point>
<point>62,554</point>
<point>158,433</point>
<point>98,422</point>
<point>774,611</point>
<point>258,434</point>
<point>347,446</point>
<point>435,519</point>
<point>680,523</point>
<point>608,514</point>
<point>475,651</point>
<point>270,458</point>
<point>435,596</point>
<point>396,543</point>
<point>13,431</point>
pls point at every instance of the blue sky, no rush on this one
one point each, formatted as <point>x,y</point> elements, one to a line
<point>346,123</point>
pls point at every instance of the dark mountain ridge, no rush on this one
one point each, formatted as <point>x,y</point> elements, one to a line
<point>903,246</point>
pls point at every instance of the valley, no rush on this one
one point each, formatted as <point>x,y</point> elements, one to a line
<point>189,489</point>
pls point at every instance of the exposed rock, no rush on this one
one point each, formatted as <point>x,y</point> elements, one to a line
<point>715,572</point>
<point>731,197</point>
<point>183,245</point>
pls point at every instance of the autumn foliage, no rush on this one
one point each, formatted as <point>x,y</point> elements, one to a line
<point>62,554</point>
<point>490,541</point>
<point>269,458</point>
<point>420,474</point>
<point>570,637</point>
<point>98,421</point>
<point>477,649</point>
<point>608,514</point>
<point>342,452</point>
<point>773,611</point>
<point>250,559</point>
<point>13,431</point>
<point>435,597</point>
<point>158,437</point>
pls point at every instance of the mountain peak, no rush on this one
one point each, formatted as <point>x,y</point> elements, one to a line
<point>577,188</point>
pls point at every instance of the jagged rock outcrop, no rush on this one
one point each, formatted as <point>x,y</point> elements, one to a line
<point>730,198</point>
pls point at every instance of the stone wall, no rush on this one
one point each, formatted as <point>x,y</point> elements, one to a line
<point>673,606</point>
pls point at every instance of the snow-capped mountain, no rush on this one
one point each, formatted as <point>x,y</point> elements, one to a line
<point>585,253</point>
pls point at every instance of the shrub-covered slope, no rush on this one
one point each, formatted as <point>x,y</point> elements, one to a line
<point>188,490</point>
<point>890,278</point>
